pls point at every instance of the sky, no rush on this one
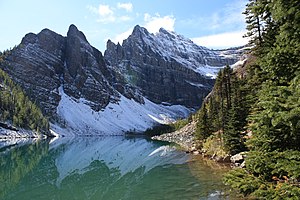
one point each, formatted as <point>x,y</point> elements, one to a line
<point>215,24</point>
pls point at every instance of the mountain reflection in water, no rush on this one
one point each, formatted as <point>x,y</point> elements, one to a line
<point>105,168</point>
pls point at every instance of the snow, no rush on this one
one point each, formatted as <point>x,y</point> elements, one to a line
<point>11,138</point>
<point>239,63</point>
<point>207,62</point>
<point>196,84</point>
<point>9,142</point>
<point>209,71</point>
<point>162,151</point>
<point>116,119</point>
<point>7,134</point>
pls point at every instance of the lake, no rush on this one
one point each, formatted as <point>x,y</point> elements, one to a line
<point>107,168</point>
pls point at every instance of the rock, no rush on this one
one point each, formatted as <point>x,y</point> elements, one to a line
<point>86,75</point>
<point>193,148</point>
<point>165,67</point>
<point>51,61</point>
<point>183,137</point>
<point>221,159</point>
<point>243,165</point>
<point>226,158</point>
<point>238,159</point>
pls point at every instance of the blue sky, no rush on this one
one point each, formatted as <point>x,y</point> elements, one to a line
<point>214,23</point>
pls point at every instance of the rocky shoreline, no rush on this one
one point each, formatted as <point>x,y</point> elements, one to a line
<point>185,138</point>
<point>12,136</point>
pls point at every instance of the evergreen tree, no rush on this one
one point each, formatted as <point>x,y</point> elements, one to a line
<point>17,109</point>
<point>272,165</point>
<point>253,20</point>
<point>224,112</point>
<point>203,126</point>
<point>233,140</point>
<point>235,118</point>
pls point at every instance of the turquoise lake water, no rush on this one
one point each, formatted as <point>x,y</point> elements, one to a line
<point>107,168</point>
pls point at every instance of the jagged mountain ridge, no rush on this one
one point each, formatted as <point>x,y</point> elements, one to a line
<point>166,67</point>
<point>57,72</point>
<point>43,62</point>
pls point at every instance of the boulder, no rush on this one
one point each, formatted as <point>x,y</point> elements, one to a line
<point>238,159</point>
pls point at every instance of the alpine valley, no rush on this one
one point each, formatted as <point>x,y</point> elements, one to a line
<point>147,80</point>
<point>238,105</point>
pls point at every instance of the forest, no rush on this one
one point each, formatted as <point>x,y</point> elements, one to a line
<point>16,108</point>
<point>257,108</point>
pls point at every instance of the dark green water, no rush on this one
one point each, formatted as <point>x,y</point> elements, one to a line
<point>107,168</point>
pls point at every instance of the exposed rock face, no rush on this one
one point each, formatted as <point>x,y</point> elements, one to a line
<point>184,137</point>
<point>166,67</point>
<point>44,62</point>
<point>37,65</point>
<point>86,74</point>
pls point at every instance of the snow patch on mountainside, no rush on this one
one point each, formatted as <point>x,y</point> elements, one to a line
<point>170,45</point>
<point>116,118</point>
<point>209,71</point>
<point>239,63</point>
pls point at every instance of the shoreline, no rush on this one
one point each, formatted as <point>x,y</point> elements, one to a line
<point>12,137</point>
<point>185,138</point>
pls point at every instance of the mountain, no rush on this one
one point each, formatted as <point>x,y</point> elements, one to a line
<point>149,79</point>
<point>18,115</point>
<point>166,67</point>
<point>44,62</point>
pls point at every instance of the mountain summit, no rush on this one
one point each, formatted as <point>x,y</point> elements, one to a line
<point>148,79</point>
<point>166,67</point>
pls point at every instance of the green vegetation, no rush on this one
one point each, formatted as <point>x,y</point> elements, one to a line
<point>263,101</point>
<point>257,108</point>
<point>17,109</point>
<point>223,115</point>
<point>16,163</point>
<point>167,128</point>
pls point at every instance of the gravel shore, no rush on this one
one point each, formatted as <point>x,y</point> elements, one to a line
<point>183,137</point>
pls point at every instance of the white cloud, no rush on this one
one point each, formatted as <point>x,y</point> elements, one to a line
<point>126,6</point>
<point>227,19</point>
<point>222,40</point>
<point>230,16</point>
<point>105,10</point>
<point>107,14</point>
<point>154,23</point>
<point>120,37</point>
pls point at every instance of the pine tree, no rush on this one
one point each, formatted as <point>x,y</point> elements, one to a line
<point>235,118</point>
<point>272,165</point>
<point>17,109</point>
<point>253,20</point>
<point>203,126</point>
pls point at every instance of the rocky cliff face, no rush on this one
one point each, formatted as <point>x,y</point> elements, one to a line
<point>138,80</point>
<point>166,67</point>
<point>44,62</point>
<point>36,65</point>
